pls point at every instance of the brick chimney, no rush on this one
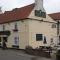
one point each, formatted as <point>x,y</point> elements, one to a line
<point>39,9</point>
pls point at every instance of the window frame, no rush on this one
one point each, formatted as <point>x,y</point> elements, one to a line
<point>39,38</point>
<point>16,40</point>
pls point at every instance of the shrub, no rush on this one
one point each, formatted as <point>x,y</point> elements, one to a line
<point>28,47</point>
<point>29,50</point>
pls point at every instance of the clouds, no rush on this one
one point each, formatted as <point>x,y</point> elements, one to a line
<point>10,4</point>
<point>24,2</point>
<point>52,6</point>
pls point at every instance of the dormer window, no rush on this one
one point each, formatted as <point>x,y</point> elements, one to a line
<point>39,13</point>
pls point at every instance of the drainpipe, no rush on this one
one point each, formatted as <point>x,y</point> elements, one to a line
<point>58,32</point>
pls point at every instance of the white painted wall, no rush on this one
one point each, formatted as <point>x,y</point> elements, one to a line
<point>37,27</point>
<point>22,33</point>
<point>27,31</point>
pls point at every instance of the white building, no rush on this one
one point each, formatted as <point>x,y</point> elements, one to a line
<point>27,26</point>
<point>56,17</point>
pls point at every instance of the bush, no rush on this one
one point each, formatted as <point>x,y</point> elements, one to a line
<point>28,47</point>
<point>29,50</point>
<point>37,51</point>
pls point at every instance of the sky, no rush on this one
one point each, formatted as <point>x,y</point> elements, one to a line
<point>51,6</point>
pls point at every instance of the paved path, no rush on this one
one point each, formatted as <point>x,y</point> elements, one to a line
<point>17,55</point>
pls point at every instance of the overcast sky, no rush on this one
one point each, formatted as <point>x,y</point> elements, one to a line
<point>51,6</point>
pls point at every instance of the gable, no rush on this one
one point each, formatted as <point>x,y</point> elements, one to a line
<point>48,18</point>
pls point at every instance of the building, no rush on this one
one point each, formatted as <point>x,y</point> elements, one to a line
<point>56,17</point>
<point>27,26</point>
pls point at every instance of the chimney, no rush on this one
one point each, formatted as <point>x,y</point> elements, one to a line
<point>39,9</point>
<point>0,11</point>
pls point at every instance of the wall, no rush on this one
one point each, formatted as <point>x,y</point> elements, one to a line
<point>22,33</point>
<point>27,30</point>
<point>45,28</point>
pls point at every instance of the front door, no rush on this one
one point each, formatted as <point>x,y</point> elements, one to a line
<point>3,37</point>
<point>4,41</point>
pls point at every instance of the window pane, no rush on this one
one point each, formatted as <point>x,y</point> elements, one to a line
<point>16,40</point>
<point>39,13</point>
<point>39,37</point>
<point>53,25</point>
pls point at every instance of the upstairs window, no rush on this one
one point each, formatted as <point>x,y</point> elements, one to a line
<point>53,25</point>
<point>3,27</point>
<point>15,27</point>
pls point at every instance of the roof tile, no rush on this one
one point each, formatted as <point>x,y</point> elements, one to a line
<point>16,14</point>
<point>55,16</point>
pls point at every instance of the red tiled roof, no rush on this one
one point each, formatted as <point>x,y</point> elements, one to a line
<point>16,14</point>
<point>55,16</point>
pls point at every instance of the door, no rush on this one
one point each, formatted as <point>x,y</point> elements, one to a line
<point>4,41</point>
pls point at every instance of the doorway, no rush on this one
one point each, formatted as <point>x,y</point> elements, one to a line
<point>3,41</point>
<point>4,37</point>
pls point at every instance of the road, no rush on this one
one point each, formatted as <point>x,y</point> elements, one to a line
<point>18,55</point>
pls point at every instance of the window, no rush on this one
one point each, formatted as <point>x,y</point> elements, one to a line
<point>15,27</point>
<point>43,14</point>
<point>51,40</point>
<point>39,13</point>
<point>53,25</point>
<point>39,37</point>
<point>3,27</point>
<point>16,41</point>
